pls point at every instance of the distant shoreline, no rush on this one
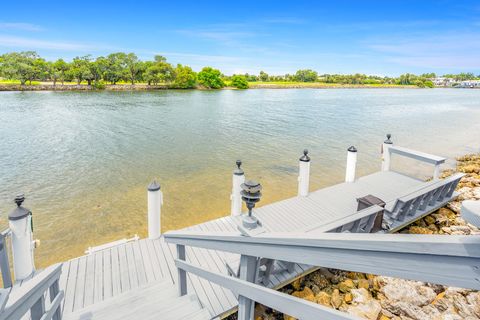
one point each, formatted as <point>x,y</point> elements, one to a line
<point>141,87</point>
<point>145,87</point>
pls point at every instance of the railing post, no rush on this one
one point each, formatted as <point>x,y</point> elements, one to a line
<point>304,174</point>
<point>4,264</point>
<point>386,153</point>
<point>155,201</point>
<point>351,164</point>
<point>236,197</point>
<point>54,290</point>
<point>20,222</point>
<point>248,272</point>
<point>436,172</point>
<point>38,309</point>
<point>182,274</point>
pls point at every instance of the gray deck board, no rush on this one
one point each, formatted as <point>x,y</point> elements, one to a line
<point>125,267</point>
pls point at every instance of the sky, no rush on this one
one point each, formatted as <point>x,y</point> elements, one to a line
<point>278,37</point>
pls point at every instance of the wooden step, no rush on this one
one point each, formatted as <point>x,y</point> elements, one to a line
<point>155,301</point>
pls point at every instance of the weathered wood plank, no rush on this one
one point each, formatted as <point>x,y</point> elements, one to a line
<point>107,274</point>
<point>80,285</point>
<point>124,270</point>
<point>147,260</point>
<point>139,263</point>
<point>98,292</point>
<point>89,280</point>
<point>116,273</point>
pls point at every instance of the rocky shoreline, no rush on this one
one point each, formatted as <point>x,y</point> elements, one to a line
<point>375,297</point>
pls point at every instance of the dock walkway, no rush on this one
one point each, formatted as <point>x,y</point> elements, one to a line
<point>93,278</point>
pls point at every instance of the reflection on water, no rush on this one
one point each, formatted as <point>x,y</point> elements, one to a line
<point>84,159</point>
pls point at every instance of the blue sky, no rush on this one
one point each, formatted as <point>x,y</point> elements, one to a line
<point>382,38</point>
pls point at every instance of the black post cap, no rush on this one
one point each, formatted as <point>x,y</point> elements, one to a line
<point>352,149</point>
<point>19,212</point>
<point>388,141</point>
<point>305,157</point>
<point>238,171</point>
<point>154,186</point>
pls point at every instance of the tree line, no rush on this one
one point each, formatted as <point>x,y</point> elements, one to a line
<point>123,67</point>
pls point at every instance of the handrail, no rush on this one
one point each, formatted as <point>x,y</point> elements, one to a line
<point>31,296</point>
<point>4,261</point>
<point>295,307</point>
<point>453,260</point>
<point>345,220</point>
<point>417,155</point>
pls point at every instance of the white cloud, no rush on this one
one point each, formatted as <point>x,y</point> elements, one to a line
<point>449,50</point>
<point>23,26</point>
<point>35,44</point>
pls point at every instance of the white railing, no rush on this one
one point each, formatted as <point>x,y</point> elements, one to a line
<point>30,297</point>
<point>417,155</point>
<point>4,261</point>
<point>453,260</point>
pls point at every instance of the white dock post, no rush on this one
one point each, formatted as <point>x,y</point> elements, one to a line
<point>351,164</point>
<point>304,174</point>
<point>236,197</point>
<point>155,201</point>
<point>20,222</point>
<point>386,153</point>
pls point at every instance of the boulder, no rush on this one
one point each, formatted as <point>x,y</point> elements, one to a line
<point>306,294</point>
<point>369,310</point>
<point>410,292</point>
<point>336,299</point>
<point>323,298</point>
<point>346,285</point>
<point>363,283</point>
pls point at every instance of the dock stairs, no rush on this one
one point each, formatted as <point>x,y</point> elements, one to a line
<point>153,301</point>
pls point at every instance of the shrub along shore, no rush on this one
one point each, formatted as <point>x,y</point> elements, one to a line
<point>125,71</point>
<point>375,297</point>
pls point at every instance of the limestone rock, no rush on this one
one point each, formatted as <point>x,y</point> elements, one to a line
<point>336,299</point>
<point>348,297</point>
<point>410,292</point>
<point>363,283</point>
<point>297,284</point>
<point>360,295</point>
<point>323,298</point>
<point>346,285</point>
<point>429,219</point>
<point>369,310</point>
<point>419,230</point>
<point>306,294</point>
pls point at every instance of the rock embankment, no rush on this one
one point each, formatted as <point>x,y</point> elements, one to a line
<point>382,298</point>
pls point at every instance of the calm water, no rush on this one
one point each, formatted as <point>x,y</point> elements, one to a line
<point>84,159</point>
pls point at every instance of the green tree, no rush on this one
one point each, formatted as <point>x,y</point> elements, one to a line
<point>133,66</point>
<point>210,78</point>
<point>263,76</point>
<point>116,67</point>
<point>159,71</point>
<point>185,77</point>
<point>58,70</point>
<point>81,69</point>
<point>306,75</point>
<point>239,81</point>
<point>18,65</point>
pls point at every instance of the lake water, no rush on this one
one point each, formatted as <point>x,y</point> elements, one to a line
<point>84,159</point>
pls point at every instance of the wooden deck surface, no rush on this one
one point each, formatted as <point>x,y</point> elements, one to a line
<point>107,273</point>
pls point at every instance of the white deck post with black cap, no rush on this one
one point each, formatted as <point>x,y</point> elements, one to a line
<point>386,153</point>
<point>236,198</point>
<point>155,202</point>
<point>351,164</point>
<point>20,223</point>
<point>304,174</point>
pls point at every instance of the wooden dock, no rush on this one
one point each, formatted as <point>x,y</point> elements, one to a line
<point>107,273</point>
